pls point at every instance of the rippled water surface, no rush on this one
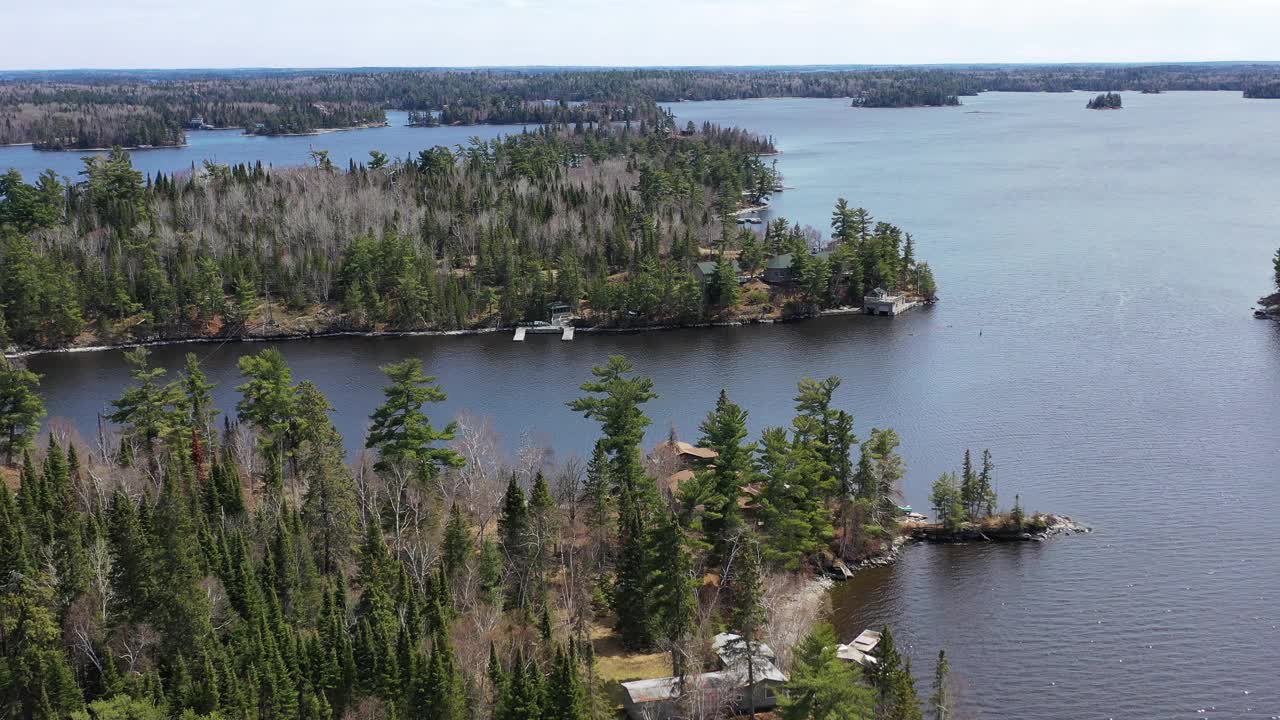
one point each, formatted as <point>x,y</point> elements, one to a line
<point>1097,271</point>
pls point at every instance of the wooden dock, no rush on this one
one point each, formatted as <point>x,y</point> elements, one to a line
<point>565,331</point>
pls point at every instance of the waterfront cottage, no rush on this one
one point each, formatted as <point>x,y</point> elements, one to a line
<point>706,270</point>
<point>777,271</point>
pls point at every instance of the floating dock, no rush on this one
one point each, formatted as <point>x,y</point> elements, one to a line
<point>568,333</point>
<point>519,334</point>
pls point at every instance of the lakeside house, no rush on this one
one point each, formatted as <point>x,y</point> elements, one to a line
<point>706,270</point>
<point>883,302</point>
<point>729,688</point>
<point>777,270</point>
<point>674,461</point>
<point>780,269</point>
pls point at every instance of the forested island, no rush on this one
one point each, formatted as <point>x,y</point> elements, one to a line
<point>83,109</point>
<point>626,227</point>
<point>1105,101</point>
<point>204,563</point>
<point>1269,90</point>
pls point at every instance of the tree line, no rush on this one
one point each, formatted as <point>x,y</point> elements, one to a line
<point>183,565</point>
<point>151,107</point>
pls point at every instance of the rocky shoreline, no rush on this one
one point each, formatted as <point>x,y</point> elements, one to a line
<point>15,352</point>
<point>1054,526</point>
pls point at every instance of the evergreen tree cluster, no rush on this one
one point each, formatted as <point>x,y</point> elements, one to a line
<point>201,564</point>
<point>968,498</point>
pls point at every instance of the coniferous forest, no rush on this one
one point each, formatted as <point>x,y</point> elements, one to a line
<point>201,562</point>
<point>611,221</point>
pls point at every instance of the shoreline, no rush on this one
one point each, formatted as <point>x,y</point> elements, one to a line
<point>1056,526</point>
<point>287,336</point>
<point>129,148</point>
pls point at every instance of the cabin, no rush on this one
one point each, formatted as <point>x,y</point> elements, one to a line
<point>780,269</point>
<point>706,270</point>
<point>674,461</point>
<point>883,302</point>
<point>727,688</point>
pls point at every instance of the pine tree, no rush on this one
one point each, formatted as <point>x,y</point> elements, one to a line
<point>724,431</point>
<point>747,613</point>
<point>146,408</point>
<point>793,508</point>
<point>20,408</point>
<point>267,404</point>
<point>614,401</point>
<point>401,431</point>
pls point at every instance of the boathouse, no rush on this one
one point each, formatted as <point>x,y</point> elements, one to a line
<point>883,302</point>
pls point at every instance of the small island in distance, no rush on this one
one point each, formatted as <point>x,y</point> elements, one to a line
<point>1105,101</point>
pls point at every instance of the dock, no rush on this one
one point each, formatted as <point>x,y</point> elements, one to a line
<point>519,334</point>
<point>568,333</point>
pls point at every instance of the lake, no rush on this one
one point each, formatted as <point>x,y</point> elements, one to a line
<point>1096,273</point>
<point>229,147</point>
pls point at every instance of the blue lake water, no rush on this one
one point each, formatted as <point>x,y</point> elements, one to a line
<point>1097,270</point>
<point>229,147</point>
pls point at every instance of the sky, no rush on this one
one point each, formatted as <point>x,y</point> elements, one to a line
<point>58,34</point>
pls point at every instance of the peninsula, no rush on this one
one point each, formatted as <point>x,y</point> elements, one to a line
<point>456,240</point>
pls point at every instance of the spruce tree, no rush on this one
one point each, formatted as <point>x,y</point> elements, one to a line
<point>457,548</point>
<point>671,589</point>
<point>940,702</point>
<point>513,533</point>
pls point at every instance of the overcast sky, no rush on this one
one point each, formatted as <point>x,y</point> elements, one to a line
<point>337,33</point>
